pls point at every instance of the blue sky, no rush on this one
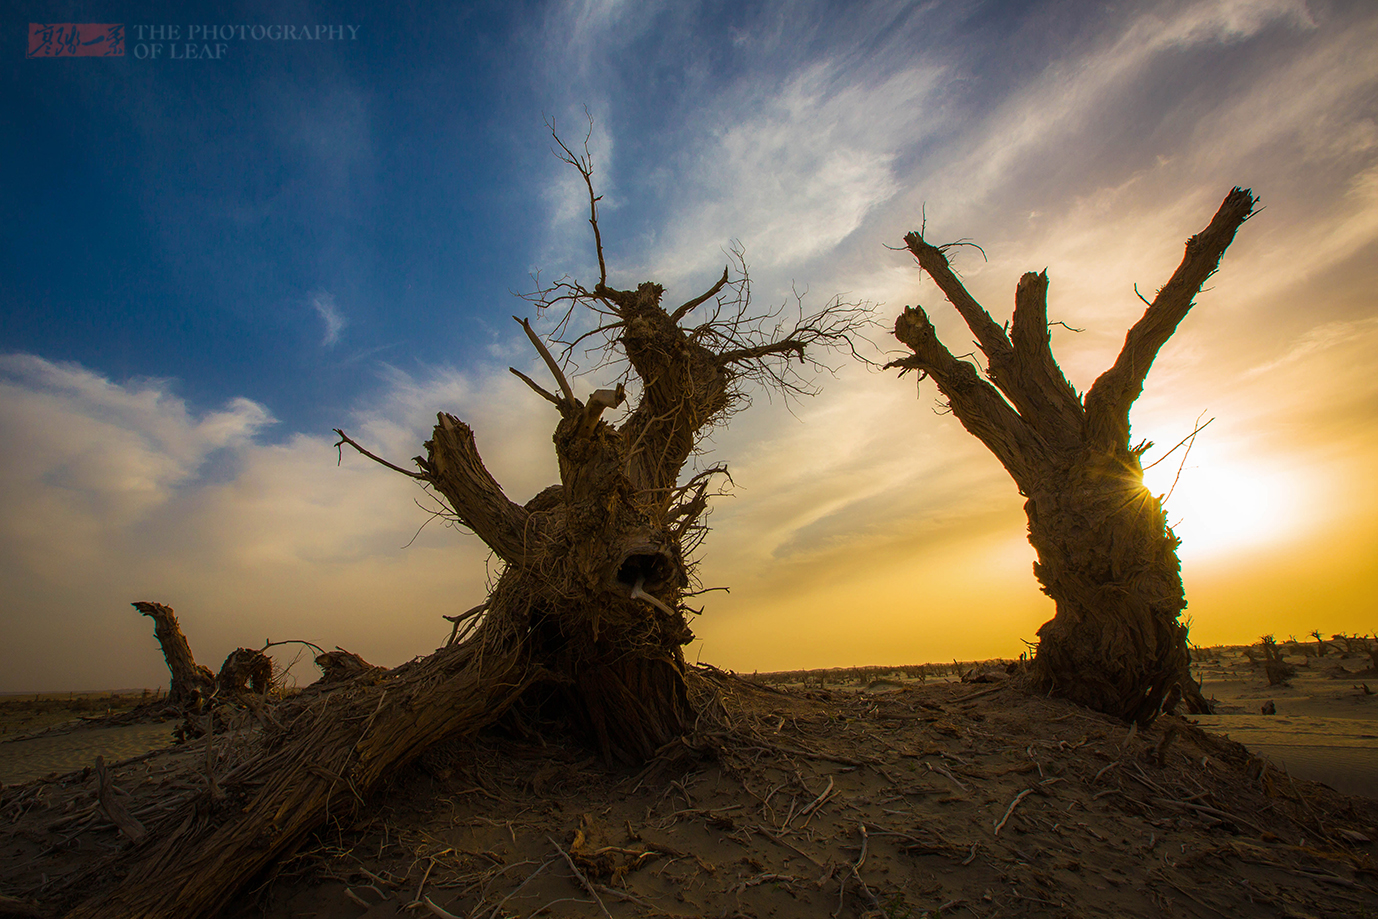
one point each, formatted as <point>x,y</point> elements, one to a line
<point>208,264</point>
<point>273,223</point>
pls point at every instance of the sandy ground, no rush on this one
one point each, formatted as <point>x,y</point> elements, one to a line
<point>1325,727</point>
<point>59,752</point>
<point>891,799</point>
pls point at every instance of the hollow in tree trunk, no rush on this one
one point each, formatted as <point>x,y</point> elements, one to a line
<point>1105,553</point>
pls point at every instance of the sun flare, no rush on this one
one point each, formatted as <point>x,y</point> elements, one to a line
<point>1219,507</point>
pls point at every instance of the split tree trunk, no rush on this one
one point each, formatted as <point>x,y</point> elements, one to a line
<point>1105,553</point>
<point>191,683</point>
<point>245,670</point>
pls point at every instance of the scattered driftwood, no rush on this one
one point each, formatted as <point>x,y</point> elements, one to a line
<point>327,759</point>
<point>1105,553</point>
<point>757,811</point>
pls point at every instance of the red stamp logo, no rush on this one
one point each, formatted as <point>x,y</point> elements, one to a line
<point>75,39</point>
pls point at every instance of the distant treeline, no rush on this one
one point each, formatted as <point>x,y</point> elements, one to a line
<point>843,676</point>
<point>78,701</point>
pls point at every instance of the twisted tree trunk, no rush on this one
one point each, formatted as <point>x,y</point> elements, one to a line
<point>588,604</point>
<point>1105,552</point>
<point>191,683</point>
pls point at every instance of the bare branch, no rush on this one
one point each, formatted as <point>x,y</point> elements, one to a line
<point>346,439</point>
<point>1190,441</point>
<point>291,641</point>
<point>1190,437</point>
<point>788,346</point>
<point>1038,386</point>
<point>468,620</point>
<point>1111,396</point>
<point>687,308</point>
<point>569,348</point>
<point>585,166</point>
<point>549,397</point>
<point>934,262</point>
<point>976,403</point>
<point>555,370</point>
<point>457,472</point>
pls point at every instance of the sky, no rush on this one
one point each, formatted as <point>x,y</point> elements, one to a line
<point>213,252</point>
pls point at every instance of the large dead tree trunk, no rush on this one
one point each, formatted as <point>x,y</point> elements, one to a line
<point>595,566</point>
<point>1105,552</point>
<point>589,604</point>
<point>191,683</point>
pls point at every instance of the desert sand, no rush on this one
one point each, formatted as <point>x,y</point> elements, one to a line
<point>884,797</point>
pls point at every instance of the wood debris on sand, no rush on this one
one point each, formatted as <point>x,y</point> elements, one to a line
<point>923,799</point>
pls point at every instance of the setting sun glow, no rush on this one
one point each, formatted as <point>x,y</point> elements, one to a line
<point>1218,507</point>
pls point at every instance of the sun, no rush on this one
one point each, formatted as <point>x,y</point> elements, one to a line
<point>1221,506</point>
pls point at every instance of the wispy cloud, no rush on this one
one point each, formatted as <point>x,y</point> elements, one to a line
<point>796,168</point>
<point>323,303</point>
<point>862,527</point>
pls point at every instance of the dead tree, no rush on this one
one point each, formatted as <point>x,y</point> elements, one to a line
<point>191,682</point>
<point>1105,552</point>
<point>596,566</point>
<point>245,670</point>
<point>590,604</point>
<point>1321,646</point>
<point>1274,665</point>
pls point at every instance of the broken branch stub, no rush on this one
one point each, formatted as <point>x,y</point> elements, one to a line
<point>245,670</point>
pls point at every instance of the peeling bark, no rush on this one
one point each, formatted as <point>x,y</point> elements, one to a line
<point>1105,553</point>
